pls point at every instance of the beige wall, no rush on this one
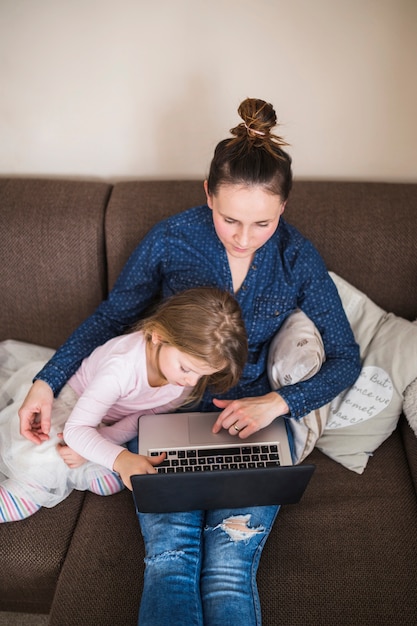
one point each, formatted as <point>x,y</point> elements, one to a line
<point>145,88</point>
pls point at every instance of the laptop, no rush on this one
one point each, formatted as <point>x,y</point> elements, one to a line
<point>203,470</point>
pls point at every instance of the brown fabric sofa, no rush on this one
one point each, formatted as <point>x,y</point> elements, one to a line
<point>347,553</point>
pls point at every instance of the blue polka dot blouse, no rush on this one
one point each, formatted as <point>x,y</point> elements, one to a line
<point>287,272</point>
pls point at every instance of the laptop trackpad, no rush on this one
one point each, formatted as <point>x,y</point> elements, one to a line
<point>200,431</point>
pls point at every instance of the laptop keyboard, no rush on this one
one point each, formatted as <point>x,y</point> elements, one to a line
<point>214,459</point>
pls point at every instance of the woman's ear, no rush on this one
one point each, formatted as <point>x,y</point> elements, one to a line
<point>283,205</point>
<point>208,196</point>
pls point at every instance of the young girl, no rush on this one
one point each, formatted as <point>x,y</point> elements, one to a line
<point>195,338</point>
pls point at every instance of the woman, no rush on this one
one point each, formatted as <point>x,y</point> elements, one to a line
<point>201,566</point>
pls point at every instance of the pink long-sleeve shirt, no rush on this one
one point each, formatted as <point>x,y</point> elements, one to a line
<point>113,389</point>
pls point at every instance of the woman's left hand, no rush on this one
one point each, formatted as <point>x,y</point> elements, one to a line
<point>246,416</point>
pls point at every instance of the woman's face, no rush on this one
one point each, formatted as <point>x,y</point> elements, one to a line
<point>244,217</point>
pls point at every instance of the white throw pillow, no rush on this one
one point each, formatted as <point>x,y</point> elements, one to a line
<point>410,405</point>
<point>295,354</point>
<point>351,427</point>
<point>364,415</point>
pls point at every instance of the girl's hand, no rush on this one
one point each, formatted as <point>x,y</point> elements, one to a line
<point>246,416</point>
<point>35,412</point>
<point>129,463</point>
<point>68,455</point>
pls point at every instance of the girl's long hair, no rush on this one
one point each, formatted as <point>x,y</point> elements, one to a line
<point>205,323</point>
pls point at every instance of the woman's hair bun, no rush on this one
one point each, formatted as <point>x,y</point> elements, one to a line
<point>254,155</point>
<point>259,118</point>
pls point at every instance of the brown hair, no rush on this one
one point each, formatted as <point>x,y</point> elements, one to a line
<point>206,323</point>
<point>254,155</point>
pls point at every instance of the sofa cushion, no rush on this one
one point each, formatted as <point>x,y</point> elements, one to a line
<point>34,550</point>
<point>104,566</point>
<point>347,551</point>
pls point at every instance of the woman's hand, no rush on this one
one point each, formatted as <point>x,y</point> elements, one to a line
<point>129,463</point>
<point>68,455</point>
<point>246,416</point>
<point>35,412</point>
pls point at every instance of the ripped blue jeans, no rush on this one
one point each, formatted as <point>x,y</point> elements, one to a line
<point>201,566</point>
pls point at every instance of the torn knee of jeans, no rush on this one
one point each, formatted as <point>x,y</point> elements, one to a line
<point>238,529</point>
<point>168,555</point>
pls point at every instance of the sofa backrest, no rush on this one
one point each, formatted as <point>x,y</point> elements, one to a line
<point>51,257</point>
<point>135,206</point>
<point>63,243</point>
<point>366,232</point>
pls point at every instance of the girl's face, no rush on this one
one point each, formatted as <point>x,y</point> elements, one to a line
<point>244,217</point>
<point>179,368</point>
